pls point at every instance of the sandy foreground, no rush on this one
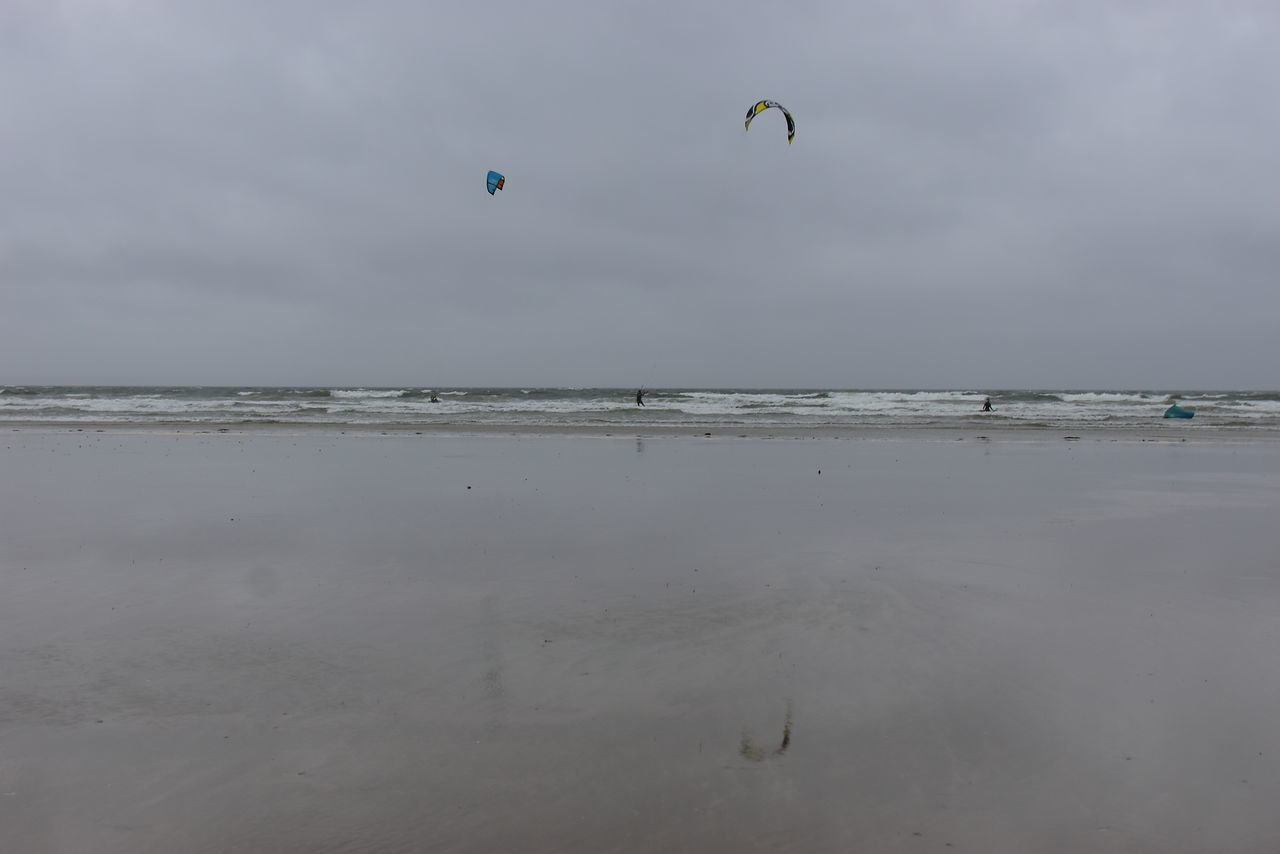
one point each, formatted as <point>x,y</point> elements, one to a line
<point>311,641</point>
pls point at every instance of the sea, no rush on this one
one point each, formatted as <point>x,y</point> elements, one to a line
<point>610,408</point>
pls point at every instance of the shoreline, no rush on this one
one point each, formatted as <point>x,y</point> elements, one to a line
<point>1003,432</point>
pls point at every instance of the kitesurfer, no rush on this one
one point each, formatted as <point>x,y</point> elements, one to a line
<point>640,397</point>
<point>986,405</point>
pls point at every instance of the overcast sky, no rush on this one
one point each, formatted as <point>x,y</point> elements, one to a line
<point>979,195</point>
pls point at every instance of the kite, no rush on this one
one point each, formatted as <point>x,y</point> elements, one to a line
<point>761,106</point>
<point>496,181</point>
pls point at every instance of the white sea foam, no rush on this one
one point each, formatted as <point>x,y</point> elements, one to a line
<point>357,393</point>
<point>617,406</point>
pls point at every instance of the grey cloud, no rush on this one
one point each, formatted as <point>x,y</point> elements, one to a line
<point>981,194</point>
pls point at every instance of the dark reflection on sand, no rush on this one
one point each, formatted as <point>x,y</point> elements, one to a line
<point>748,748</point>
<point>357,643</point>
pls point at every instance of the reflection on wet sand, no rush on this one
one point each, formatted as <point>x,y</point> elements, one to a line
<point>748,749</point>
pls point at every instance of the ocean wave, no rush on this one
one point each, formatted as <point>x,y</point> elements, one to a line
<point>365,393</point>
<point>615,406</point>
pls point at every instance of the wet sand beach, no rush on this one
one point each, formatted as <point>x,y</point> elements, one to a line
<point>408,640</point>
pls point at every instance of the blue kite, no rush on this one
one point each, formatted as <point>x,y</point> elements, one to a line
<point>496,180</point>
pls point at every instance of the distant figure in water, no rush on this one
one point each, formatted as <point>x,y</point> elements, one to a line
<point>434,399</point>
<point>986,405</point>
<point>640,397</point>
